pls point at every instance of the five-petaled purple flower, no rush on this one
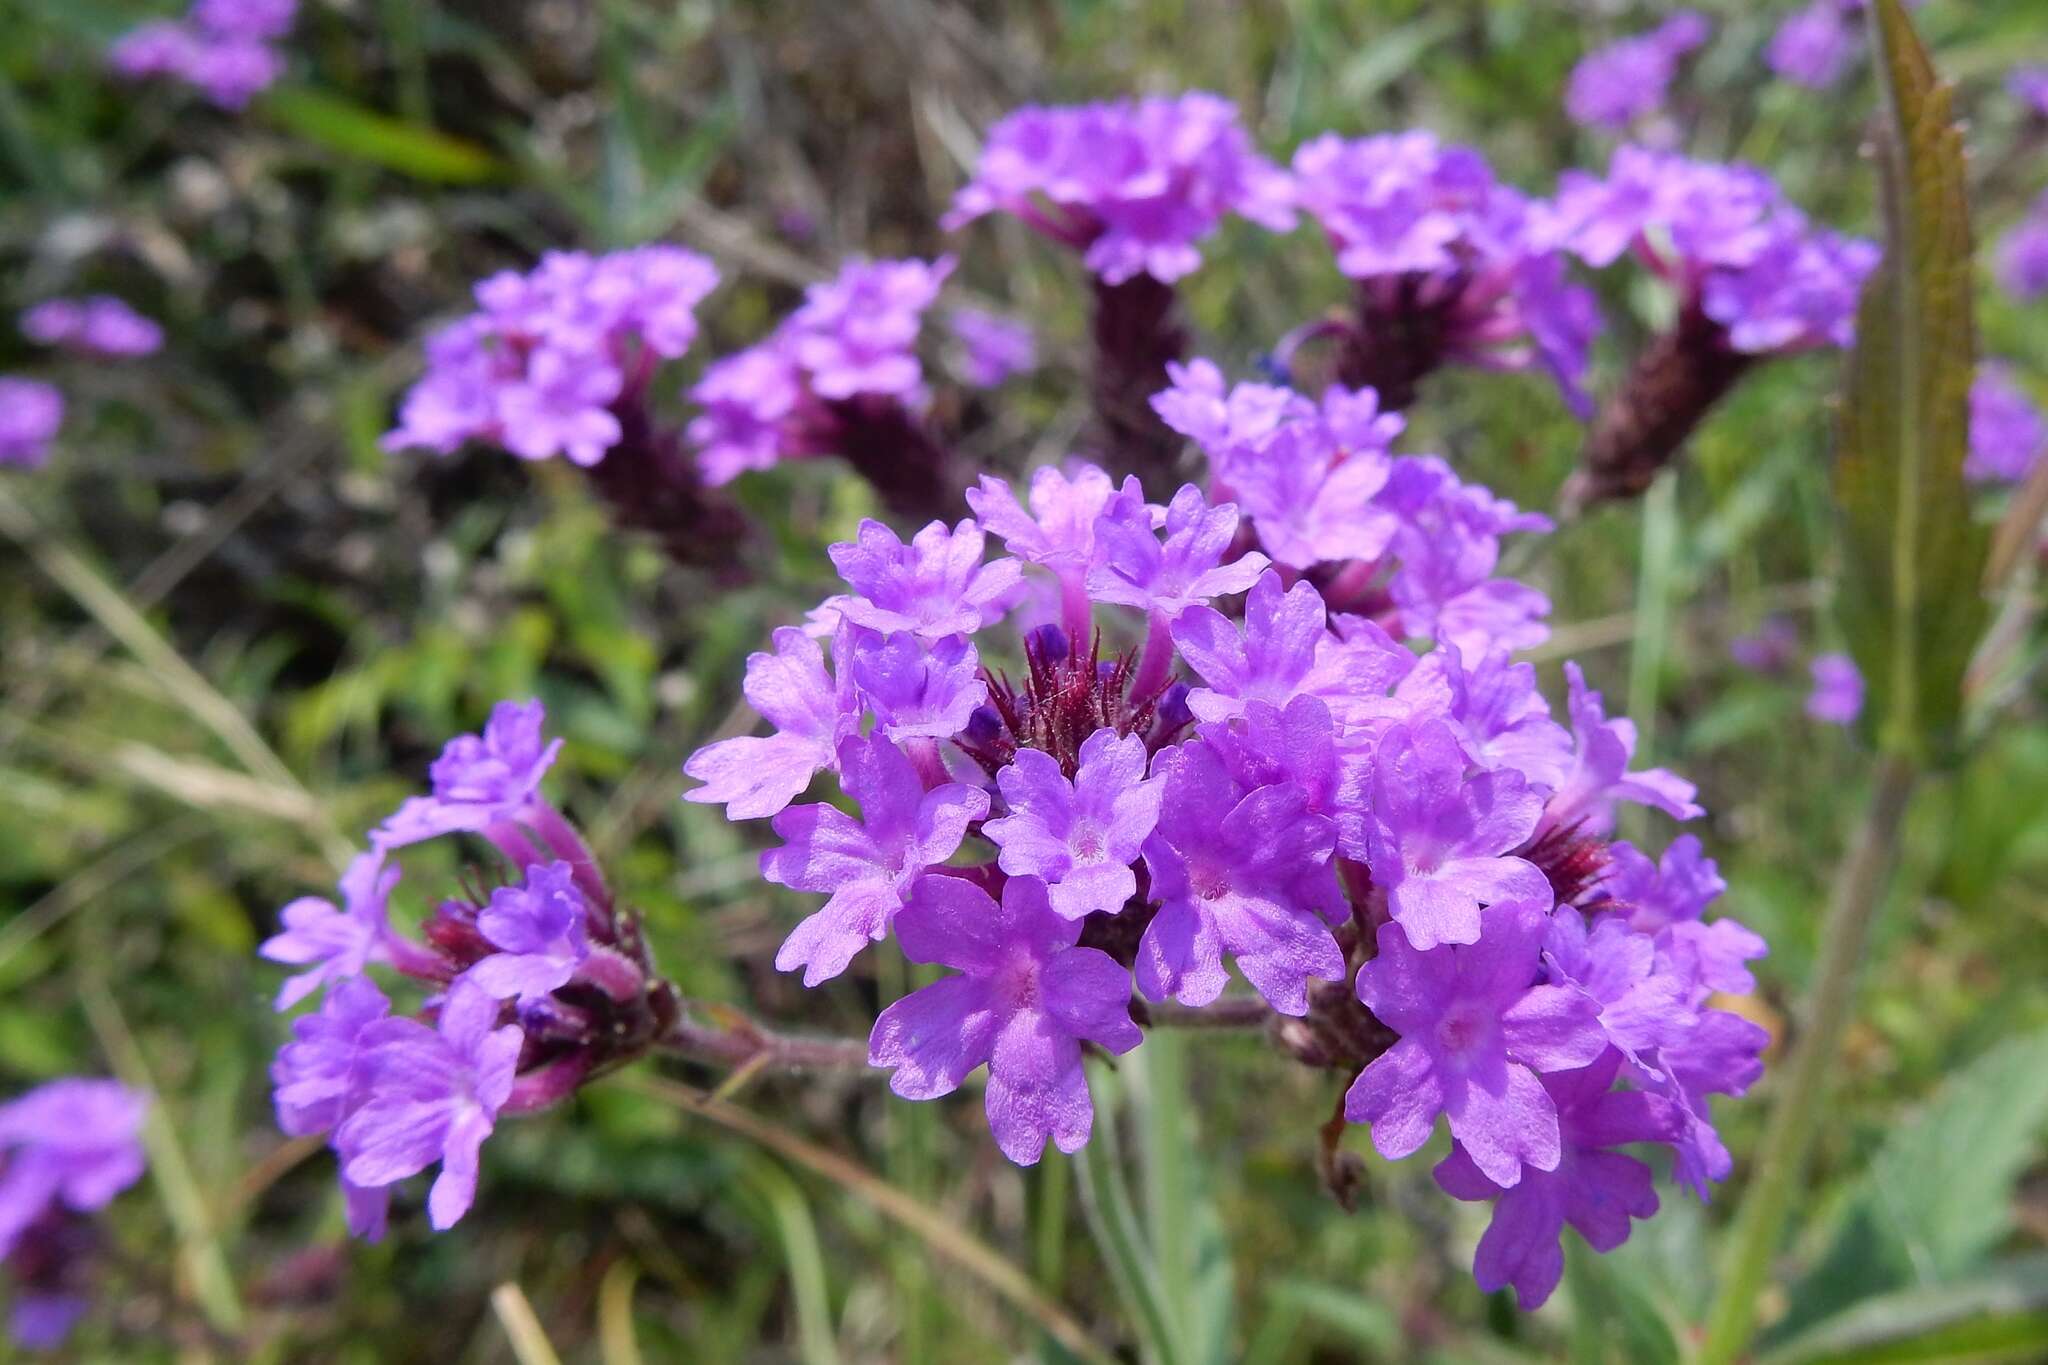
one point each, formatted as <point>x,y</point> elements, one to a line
<point>1025,1000</point>
<point>1080,837</point>
<point>935,586</point>
<point>335,944</point>
<point>755,776</point>
<point>871,866</point>
<point>479,780</point>
<point>1437,840</point>
<point>1244,873</point>
<point>1599,774</point>
<point>538,929</point>
<point>432,1094</point>
<point>1476,1034</point>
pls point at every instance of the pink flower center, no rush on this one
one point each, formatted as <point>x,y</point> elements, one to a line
<point>1462,1027</point>
<point>1209,880</point>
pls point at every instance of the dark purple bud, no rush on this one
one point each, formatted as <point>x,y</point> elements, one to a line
<point>1047,645</point>
<point>985,726</point>
<point>1173,707</point>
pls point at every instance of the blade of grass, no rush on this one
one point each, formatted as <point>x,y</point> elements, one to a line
<point>942,1236</point>
<point>617,1341</point>
<point>1106,1203</point>
<point>529,1341</point>
<point>816,1337</point>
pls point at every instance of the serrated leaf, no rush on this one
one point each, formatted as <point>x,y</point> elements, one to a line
<point>1998,1315</point>
<point>1912,557</point>
<point>1938,1194</point>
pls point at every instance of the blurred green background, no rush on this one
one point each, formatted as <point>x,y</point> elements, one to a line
<point>233,633</point>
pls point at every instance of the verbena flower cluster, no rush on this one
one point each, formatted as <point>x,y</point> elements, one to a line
<point>100,325</point>
<point>541,364</point>
<point>30,414</point>
<point>536,980</point>
<point>2023,253</point>
<point>67,1148</point>
<point>2007,432</point>
<point>227,49</point>
<point>1615,85</point>
<point>1344,789</point>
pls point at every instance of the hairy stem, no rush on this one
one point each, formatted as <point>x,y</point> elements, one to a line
<point>1860,886</point>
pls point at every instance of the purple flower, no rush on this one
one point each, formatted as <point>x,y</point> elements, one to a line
<point>754,776</point>
<point>313,1074</point>
<point>1199,407</point>
<point>1668,901</point>
<point>41,1322</point>
<point>933,587</point>
<point>872,866</point>
<point>1436,241</point>
<point>246,18</point>
<point>1499,717</point>
<point>161,47</point>
<point>1134,569</point>
<point>2023,253</point>
<point>749,399</point>
<point>1814,45</point>
<point>1799,292</point>
<point>72,1143</point>
<point>2029,85</point>
<point>100,325</point>
<point>1614,85</point>
<point>479,780</point>
<point>1437,839</point>
<point>1025,1000</point>
<point>539,930</point>
<point>1594,1190</point>
<point>856,332</point>
<point>30,413</point>
<point>1284,652</point>
<point>335,945</point>
<point>539,367</point>
<point>1643,1004</point>
<point>1267,746</point>
<point>1447,547</point>
<point>430,1094</point>
<point>1058,530</point>
<point>1242,873</point>
<point>1599,775</point>
<point>1134,184</point>
<point>1837,696</point>
<point>1767,649</point>
<point>917,689</point>
<point>992,348</point>
<point>2007,433</point>
<point>1723,1055</point>
<point>1475,1034</point>
<point>1081,837</point>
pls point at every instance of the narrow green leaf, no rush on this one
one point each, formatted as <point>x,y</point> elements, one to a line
<point>362,134</point>
<point>1912,557</point>
<point>1938,1194</point>
<point>1999,1315</point>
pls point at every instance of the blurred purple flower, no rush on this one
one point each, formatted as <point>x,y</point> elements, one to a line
<point>2029,85</point>
<point>992,348</point>
<point>430,1094</point>
<point>1815,44</point>
<point>72,1143</point>
<point>1025,1000</point>
<point>1133,184</point>
<point>335,945</point>
<point>1614,85</point>
<point>1837,696</point>
<point>2007,432</point>
<point>2023,253</point>
<point>479,780</point>
<point>1767,649</point>
<point>100,325</point>
<point>856,333</point>
<point>30,414</point>
<point>314,1074</point>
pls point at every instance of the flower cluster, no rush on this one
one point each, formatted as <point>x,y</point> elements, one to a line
<point>1726,238</point>
<point>1618,84</point>
<point>98,326</point>
<point>992,349</point>
<point>540,366</point>
<point>2029,85</point>
<point>1837,695</point>
<point>30,414</point>
<point>66,1149</point>
<point>538,981</point>
<point>1451,264</point>
<point>1132,184</point>
<point>2007,432</point>
<point>1815,43</point>
<point>226,48</point>
<point>843,363</point>
<point>2023,253</point>
<point>1285,787</point>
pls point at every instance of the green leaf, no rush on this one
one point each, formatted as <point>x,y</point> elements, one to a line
<point>1614,1319</point>
<point>1999,1315</point>
<point>363,134</point>
<point>1938,1194</point>
<point>1912,557</point>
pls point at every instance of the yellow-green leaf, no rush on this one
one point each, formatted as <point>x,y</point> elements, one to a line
<point>365,135</point>
<point>1913,559</point>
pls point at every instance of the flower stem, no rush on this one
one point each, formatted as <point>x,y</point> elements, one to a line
<point>1860,886</point>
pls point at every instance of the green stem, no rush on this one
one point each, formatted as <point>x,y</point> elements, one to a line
<point>1106,1202</point>
<point>1860,886</point>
